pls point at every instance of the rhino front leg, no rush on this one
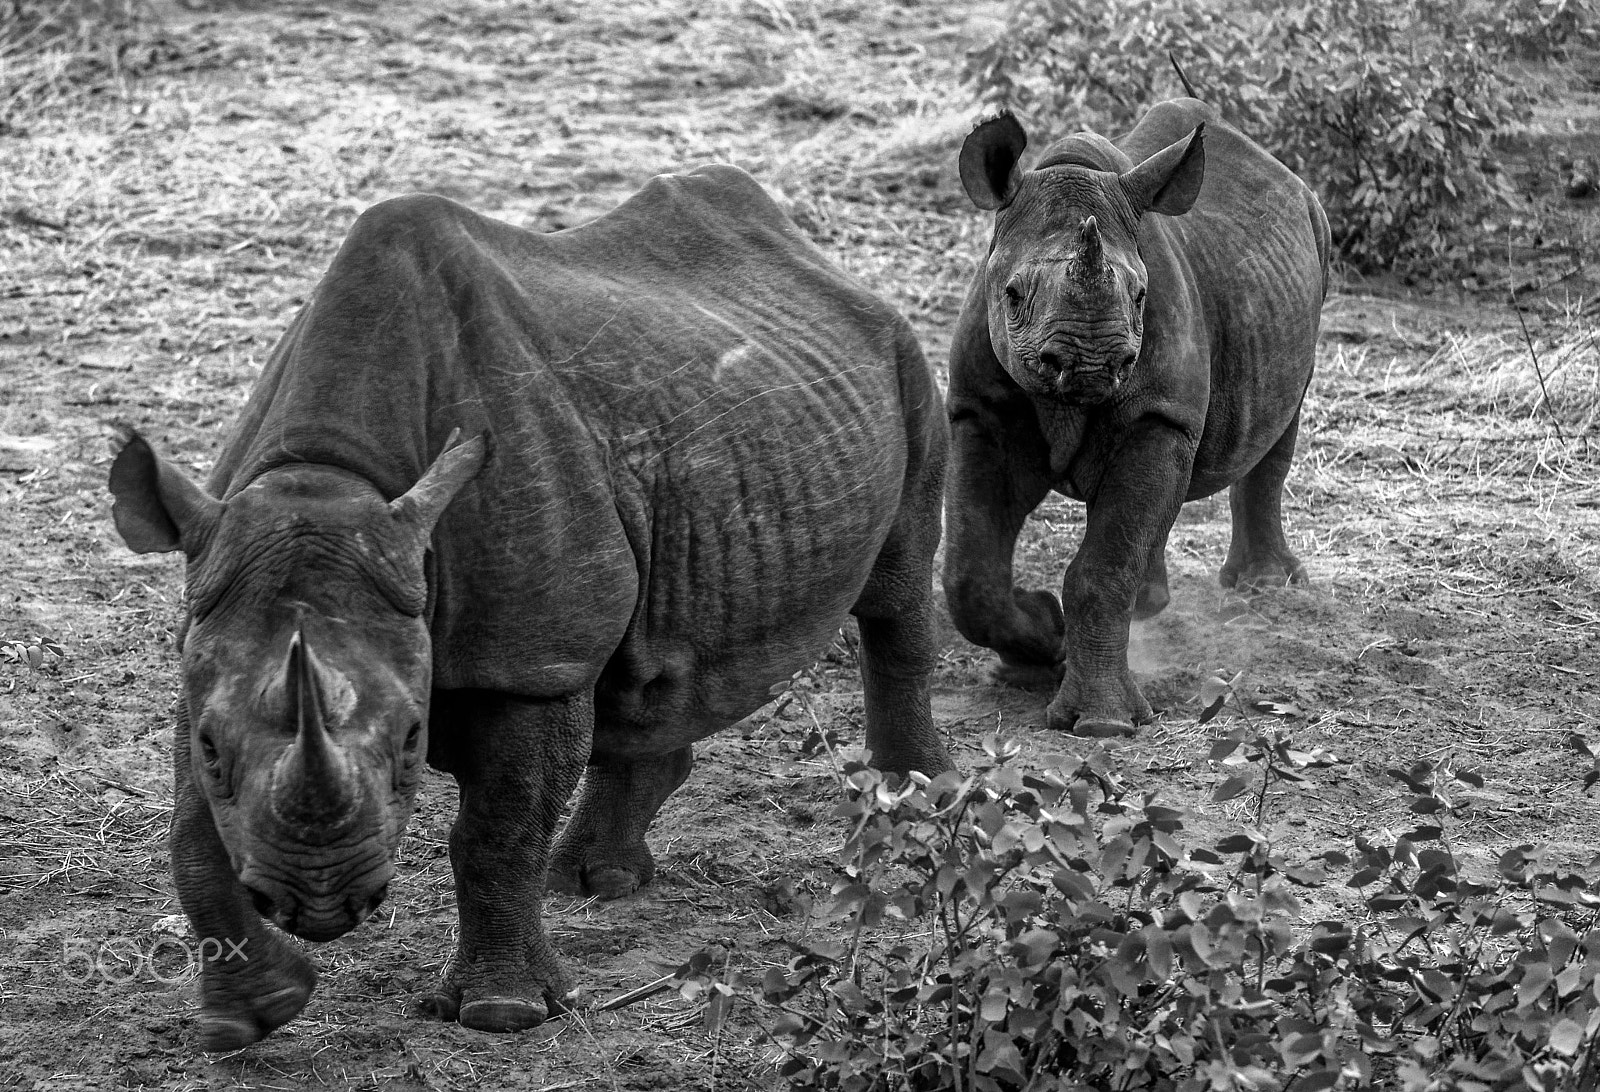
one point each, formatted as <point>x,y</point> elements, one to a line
<point>1127,526</point>
<point>602,851</point>
<point>996,480</point>
<point>516,761</point>
<point>1259,555</point>
<point>252,979</point>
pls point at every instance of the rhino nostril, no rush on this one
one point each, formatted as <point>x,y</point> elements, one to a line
<point>1127,362</point>
<point>376,900</point>
<point>1051,362</point>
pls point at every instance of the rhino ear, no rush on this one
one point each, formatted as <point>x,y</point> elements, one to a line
<point>425,502</point>
<point>157,506</point>
<point>989,161</point>
<point>1169,181</point>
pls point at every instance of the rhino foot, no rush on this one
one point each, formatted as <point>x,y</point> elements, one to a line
<point>1088,727</point>
<point>1271,572</point>
<point>583,871</point>
<point>1096,706</point>
<point>244,1006</point>
<point>498,1004</point>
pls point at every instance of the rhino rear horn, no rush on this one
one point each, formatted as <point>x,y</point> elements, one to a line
<point>989,161</point>
<point>157,507</point>
<point>425,502</point>
<point>1169,181</point>
<point>1091,249</point>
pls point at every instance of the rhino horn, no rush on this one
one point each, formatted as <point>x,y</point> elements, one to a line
<point>1091,250</point>
<point>314,783</point>
<point>425,502</point>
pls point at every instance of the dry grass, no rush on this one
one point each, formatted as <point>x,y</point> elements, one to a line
<point>55,51</point>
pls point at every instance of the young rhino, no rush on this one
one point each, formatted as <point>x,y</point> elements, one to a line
<point>1141,334</point>
<point>708,446</point>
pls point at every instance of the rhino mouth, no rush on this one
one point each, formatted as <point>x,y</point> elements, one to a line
<point>317,916</point>
<point>1079,384</point>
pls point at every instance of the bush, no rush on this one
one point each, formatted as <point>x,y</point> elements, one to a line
<point>1545,28</point>
<point>1390,109</point>
<point>1058,932</point>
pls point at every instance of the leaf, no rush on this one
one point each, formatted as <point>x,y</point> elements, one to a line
<point>1235,843</point>
<point>1317,1080</point>
<point>1566,1037</point>
<point>1222,748</point>
<point>1232,787</point>
<point>1210,711</point>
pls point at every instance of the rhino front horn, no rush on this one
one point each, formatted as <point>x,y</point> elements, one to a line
<point>313,784</point>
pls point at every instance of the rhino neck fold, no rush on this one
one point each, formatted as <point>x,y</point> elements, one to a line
<point>313,784</point>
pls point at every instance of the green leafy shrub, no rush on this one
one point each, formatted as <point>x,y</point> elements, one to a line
<point>1049,929</point>
<point>1545,28</point>
<point>1390,109</point>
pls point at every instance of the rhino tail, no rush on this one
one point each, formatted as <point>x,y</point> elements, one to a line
<point>1324,237</point>
<point>1188,89</point>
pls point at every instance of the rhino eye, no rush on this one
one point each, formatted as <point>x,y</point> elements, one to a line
<point>1013,296</point>
<point>209,757</point>
<point>413,736</point>
<point>1138,297</point>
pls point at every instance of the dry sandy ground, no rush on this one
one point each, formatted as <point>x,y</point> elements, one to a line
<point>156,239</point>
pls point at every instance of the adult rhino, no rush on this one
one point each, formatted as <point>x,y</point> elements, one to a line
<point>1134,339</point>
<point>693,445</point>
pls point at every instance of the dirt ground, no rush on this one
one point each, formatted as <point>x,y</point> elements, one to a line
<point>156,238</point>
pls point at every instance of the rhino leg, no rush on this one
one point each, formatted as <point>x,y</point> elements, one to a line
<point>1126,529</point>
<point>252,979</point>
<point>1259,555</point>
<point>899,647</point>
<point>516,760</point>
<point>602,850</point>
<point>996,480</point>
<point>1153,597</point>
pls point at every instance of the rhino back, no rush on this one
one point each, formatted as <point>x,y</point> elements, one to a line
<point>759,448</point>
<point>1241,276</point>
<point>682,398</point>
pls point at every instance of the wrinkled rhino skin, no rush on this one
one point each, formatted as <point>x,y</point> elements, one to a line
<point>692,446</point>
<point>1141,334</point>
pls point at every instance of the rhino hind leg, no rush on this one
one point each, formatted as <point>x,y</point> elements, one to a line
<point>899,646</point>
<point>602,851</point>
<point>1259,555</point>
<point>1153,597</point>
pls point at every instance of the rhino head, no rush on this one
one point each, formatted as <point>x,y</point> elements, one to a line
<point>306,667</point>
<point>1064,282</point>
